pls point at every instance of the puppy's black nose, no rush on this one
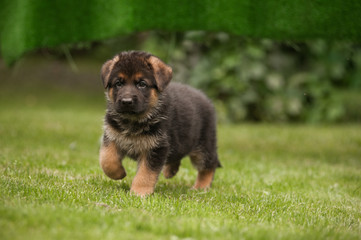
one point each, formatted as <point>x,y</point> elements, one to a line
<point>127,101</point>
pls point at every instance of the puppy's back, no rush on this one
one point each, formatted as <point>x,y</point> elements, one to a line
<point>189,99</point>
<point>191,119</point>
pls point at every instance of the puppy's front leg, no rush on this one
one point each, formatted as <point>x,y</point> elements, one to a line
<point>149,168</point>
<point>144,181</point>
<point>111,160</point>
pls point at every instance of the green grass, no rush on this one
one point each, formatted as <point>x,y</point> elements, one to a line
<point>277,181</point>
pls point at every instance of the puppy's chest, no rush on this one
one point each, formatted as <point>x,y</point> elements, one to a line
<point>135,143</point>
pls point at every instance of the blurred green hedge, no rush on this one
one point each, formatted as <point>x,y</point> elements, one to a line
<point>265,80</point>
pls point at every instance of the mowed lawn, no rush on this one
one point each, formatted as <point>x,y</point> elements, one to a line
<point>277,181</point>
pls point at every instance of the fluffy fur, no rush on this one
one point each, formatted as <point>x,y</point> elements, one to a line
<point>154,122</point>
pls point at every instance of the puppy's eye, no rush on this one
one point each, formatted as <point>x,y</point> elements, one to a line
<point>119,83</point>
<point>141,84</point>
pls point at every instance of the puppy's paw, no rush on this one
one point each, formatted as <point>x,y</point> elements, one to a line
<point>120,174</point>
<point>115,173</point>
<point>169,171</point>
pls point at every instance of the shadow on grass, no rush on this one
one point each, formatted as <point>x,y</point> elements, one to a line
<point>107,184</point>
<point>174,189</point>
<point>163,189</point>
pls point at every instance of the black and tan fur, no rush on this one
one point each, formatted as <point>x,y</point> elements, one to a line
<point>154,122</point>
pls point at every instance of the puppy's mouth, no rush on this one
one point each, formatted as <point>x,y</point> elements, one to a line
<point>131,110</point>
<point>128,111</point>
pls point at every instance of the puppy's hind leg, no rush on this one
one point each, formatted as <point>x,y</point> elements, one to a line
<point>171,169</point>
<point>111,161</point>
<point>204,179</point>
<point>206,169</point>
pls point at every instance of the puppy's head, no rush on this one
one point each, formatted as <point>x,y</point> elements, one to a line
<point>133,80</point>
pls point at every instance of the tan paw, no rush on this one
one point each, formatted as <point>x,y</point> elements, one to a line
<point>204,179</point>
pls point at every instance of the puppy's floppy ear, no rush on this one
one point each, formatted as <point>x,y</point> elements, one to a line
<point>162,72</point>
<point>106,70</point>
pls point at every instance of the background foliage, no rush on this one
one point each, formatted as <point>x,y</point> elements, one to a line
<point>256,80</point>
<point>260,80</point>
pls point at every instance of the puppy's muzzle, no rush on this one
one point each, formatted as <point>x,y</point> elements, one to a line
<point>128,105</point>
<point>127,101</point>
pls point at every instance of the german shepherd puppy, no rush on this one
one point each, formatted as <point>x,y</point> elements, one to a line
<point>154,122</point>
